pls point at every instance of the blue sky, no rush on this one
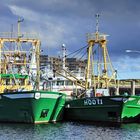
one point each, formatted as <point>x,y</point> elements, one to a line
<point>68,21</point>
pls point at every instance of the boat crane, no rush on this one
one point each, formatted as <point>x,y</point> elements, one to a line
<point>100,73</point>
<point>17,58</point>
<point>67,74</point>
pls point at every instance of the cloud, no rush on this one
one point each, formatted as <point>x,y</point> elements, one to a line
<point>24,12</point>
<point>52,30</point>
<point>65,21</point>
<point>70,20</point>
<point>131,66</point>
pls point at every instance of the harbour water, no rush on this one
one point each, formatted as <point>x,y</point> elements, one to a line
<point>69,131</point>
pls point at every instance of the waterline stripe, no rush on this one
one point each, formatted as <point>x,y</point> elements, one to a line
<point>32,95</point>
<point>54,96</point>
<point>83,107</point>
<point>133,106</point>
<point>18,96</point>
<point>116,99</point>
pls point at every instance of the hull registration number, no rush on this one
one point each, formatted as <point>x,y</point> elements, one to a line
<point>93,102</point>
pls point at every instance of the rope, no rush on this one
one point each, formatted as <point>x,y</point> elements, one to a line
<point>84,54</point>
<point>77,51</point>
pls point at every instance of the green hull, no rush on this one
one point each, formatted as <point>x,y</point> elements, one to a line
<point>115,109</point>
<point>31,107</point>
<point>131,109</point>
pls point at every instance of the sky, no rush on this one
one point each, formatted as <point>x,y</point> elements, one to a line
<point>68,21</point>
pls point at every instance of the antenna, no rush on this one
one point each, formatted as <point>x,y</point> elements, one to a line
<point>19,21</point>
<point>97,22</point>
<point>18,33</point>
<point>63,55</point>
<point>12,29</point>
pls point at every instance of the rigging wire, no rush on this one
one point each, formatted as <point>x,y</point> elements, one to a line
<point>77,51</point>
<point>84,54</point>
<point>77,54</point>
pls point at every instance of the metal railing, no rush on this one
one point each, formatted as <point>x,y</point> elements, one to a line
<point>94,36</point>
<point>17,35</point>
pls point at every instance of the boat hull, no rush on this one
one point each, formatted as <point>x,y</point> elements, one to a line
<point>101,109</point>
<point>131,109</point>
<point>32,107</point>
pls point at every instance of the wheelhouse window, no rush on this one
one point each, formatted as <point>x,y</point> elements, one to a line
<point>60,83</point>
<point>69,83</point>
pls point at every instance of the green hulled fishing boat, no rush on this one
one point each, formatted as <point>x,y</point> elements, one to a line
<point>101,100</point>
<point>115,109</point>
<point>20,97</point>
<point>31,107</point>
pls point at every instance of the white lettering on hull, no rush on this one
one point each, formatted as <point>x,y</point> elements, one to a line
<point>93,102</point>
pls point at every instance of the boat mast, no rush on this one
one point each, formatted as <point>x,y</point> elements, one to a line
<point>18,35</point>
<point>1,46</point>
<point>16,59</point>
<point>92,40</point>
<point>37,44</point>
<point>18,31</point>
<point>63,57</point>
<point>36,48</point>
<point>101,41</point>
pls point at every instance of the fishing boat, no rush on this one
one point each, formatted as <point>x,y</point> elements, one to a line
<point>101,101</point>
<point>62,80</point>
<point>113,109</point>
<point>21,99</point>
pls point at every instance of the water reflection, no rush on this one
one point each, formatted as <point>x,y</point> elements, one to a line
<point>69,131</point>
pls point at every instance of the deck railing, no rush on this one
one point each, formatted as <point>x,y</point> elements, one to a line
<point>17,35</point>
